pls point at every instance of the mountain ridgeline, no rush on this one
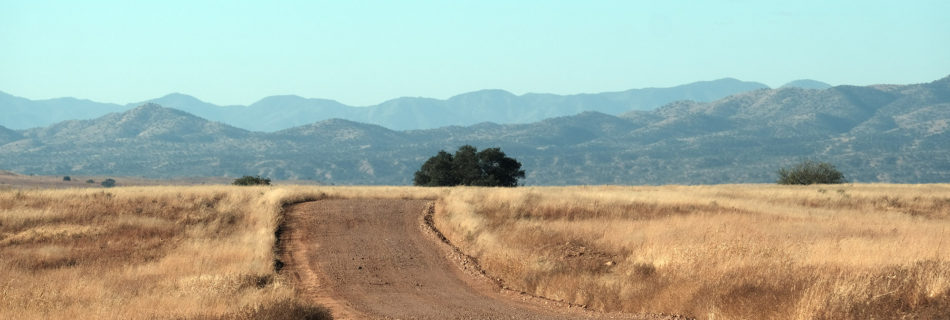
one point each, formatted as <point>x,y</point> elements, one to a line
<point>887,133</point>
<point>282,112</point>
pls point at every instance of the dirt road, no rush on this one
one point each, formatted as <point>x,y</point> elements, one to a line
<point>376,259</point>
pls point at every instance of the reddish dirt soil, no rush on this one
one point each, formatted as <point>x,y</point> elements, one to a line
<point>378,259</point>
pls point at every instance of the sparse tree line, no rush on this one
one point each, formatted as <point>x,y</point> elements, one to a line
<point>493,168</point>
<point>107,183</point>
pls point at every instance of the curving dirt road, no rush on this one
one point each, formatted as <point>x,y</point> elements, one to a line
<point>376,259</point>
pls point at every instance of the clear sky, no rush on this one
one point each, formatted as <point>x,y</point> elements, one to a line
<point>365,52</point>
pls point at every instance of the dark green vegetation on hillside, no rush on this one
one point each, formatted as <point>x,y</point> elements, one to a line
<point>877,133</point>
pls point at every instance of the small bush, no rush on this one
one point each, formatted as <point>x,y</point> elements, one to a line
<point>810,172</point>
<point>251,181</point>
<point>67,178</point>
<point>108,183</point>
<point>290,309</point>
<point>90,181</point>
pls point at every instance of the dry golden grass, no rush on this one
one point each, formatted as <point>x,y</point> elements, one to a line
<point>151,252</point>
<point>716,252</point>
<point>723,252</point>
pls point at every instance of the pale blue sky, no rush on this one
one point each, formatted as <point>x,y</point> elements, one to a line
<point>365,52</point>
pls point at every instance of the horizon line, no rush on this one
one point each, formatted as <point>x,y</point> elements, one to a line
<point>395,98</point>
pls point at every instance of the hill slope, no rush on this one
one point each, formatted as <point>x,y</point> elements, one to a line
<point>807,84</point>
<point>7,135</point>
<point>875,133</point>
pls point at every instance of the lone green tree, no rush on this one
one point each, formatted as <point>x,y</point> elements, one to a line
<point>810,172</point>
<point>498,169</point>
<point>470,167</point>
<point>466,166</point>
<point>437,171</point>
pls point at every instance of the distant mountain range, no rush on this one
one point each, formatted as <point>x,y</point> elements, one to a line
<point>807,84</point>
<point>884,133</point>
<point>282,112</point>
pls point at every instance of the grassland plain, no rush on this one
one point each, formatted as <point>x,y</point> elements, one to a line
<point>716,252</point>
<point>152,252</point>
<point>722,252</point>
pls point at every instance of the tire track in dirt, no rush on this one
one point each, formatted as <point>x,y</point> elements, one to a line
<point>377,259</point>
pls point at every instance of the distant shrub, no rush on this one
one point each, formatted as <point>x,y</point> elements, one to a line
<point>251,181</point>
<point>67,178</point>
<point>108,183</point>
<point>810,172</point>
<point>90,181</point>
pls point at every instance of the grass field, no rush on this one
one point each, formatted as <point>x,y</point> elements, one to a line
<point>150,252</point>
<point>715,252</point>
